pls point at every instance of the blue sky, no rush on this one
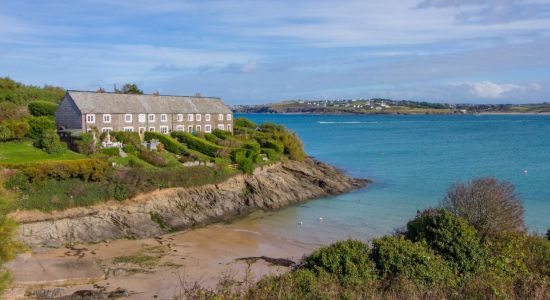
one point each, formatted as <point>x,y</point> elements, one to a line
<point>264,51</point>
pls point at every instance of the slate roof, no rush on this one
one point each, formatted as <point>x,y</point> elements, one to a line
<point>92,102</point>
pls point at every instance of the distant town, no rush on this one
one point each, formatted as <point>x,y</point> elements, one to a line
<point>387,106</point>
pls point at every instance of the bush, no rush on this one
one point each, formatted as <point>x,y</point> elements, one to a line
<point>38,125</point>
<point>222,134</point>
<point>128,148</point>
<point>537,256</point>
<point>153,158</point>
<point>492,207</point>
<point>246,165</point>
<point>294,147</point>
<point>449,236</point>
<point>198,144</point>
<point>275,145</point>
<point>271,154</point>
<point>110,151</point>
<point>211,138</point>
<point>5,133</point>
<point>86,144</point>
<point>397,257</point>
<point>18,129</point>
<point>93,169</point>
<point>125,137</point>
<point>244,122</point>
<point>348,260</point>
<point>42,108</point>
<point>49,142</point>
<point>9,111</point>
<point>170,144</point>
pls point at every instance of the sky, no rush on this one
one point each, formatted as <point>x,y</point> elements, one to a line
<point>251,52</point>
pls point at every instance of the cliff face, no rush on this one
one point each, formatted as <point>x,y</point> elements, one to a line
<point>161,211</point>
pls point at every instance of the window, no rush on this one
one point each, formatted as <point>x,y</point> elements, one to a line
<point>129,129</point>
<point>221,127</point>
<point>128,118</point>
<point>106,118</point>
<point>228,127</point>
<point>180,128</point>
<point>141,118</point>
<point>228,117</point>
<point>163,118</point>
<point>180,117</point>
<point>190,128</point>
<point>198,128</point>
<point>152,129</point>
<point>198,117</point>
<point>190,117</point>
<point>207,117</point>
<point>164,129</point>
<point>207,128</point>
<point>151,117</point>
<point>220,117</point>
<point>106,129</point>
<point>141,130</point>
<point>90,118</point>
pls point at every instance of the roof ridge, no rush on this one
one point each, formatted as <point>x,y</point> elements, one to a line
<point>161,95</point>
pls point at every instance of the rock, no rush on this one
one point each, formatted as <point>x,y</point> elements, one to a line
<point>181,208</point>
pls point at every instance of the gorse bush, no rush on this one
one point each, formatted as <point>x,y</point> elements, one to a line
<point>449,236</point>
<point>38,125</point>
<point>93,169</point>
<point>492,207</point>
<point>49,142</point>
<point>5,133</point>
<point>42,108</point>
<point>347,259</point>
<point>244,122</point>
<point>17,128</point>
<point>397,257</point>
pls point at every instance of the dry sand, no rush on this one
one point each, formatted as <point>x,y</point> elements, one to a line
<point>204,255</point>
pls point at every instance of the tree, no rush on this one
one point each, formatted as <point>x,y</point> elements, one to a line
<point>491,206</point>
<point>130,88</point>
<point>42,108</point>
<point>49,142</point>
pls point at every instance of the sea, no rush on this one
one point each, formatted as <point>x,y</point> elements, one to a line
<point>412,160</point>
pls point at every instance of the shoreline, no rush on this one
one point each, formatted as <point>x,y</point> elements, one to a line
<point>397,114</point>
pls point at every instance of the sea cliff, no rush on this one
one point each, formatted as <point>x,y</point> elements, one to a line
<point>158,212</point>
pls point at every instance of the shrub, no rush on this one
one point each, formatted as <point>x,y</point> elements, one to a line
<point>211,138</point>
<point>86,144</point>
<point>42,108</point>
<point>5,133</point>
<point>348,260</point>
<point>537,256</point>
<point>397,257</point>
<point>275,145</point>
<point>9,111</point>
<point>153,158</point>
<point>128,148</point>
<point>492,207</point>
<point>18,129</point>
<point>196,143</point>
<point>49,142</point>
<point>252,148</point>
<point>93,169</point>
<point>244,122</point>
<point>126,137</point>
<point>121,192</point>
<point>110,151</point>
<point>18,181</point>
<point>450,236</point>
<point>246,165</point>
<point>38,125</point>
<point>294,147</point>
<point>222,134</point>
<point>271,154</point>
<point>170,144</point>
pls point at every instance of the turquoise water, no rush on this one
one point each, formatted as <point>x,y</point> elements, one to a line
<point>412,160</point>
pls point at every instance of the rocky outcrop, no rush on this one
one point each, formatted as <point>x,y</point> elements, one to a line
<point>172,209</point>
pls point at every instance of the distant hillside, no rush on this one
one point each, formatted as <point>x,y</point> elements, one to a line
<point>386,106</point>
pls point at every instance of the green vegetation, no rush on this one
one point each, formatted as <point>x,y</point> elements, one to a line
<point>24,152</point>
<point>440,255</point>
<point>42,108</point>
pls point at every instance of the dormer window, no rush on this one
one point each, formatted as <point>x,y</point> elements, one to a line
<point>90,118</point>
<point>163,118</point>
<point>106,118</point>
<point>128,118</point>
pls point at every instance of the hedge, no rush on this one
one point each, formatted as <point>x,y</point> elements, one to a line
<point>275,145</point>
<point>93,169</point>
<point>170,144</point>
<point>42,108</point>
<point>39,125</point>
<point>271,154</point>
<point>222,134</point>
<point>196,143</point>
<point>211,138</point>
<point>153,158</point>
<point>124,137</point>
<point>110,151</point>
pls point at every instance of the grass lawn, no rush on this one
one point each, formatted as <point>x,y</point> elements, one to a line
<point>23,152</point>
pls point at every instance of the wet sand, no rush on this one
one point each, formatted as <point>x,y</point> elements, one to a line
<point>204,256</point>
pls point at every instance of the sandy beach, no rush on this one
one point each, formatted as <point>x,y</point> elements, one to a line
<point>159,267</point>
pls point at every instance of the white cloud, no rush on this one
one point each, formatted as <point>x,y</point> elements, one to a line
<point>491,90</point>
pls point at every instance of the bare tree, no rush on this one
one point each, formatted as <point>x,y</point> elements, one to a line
<point>491,206</point>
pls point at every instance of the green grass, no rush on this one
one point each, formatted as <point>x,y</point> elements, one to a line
<point>24,152</point>
<point>125,161</point>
